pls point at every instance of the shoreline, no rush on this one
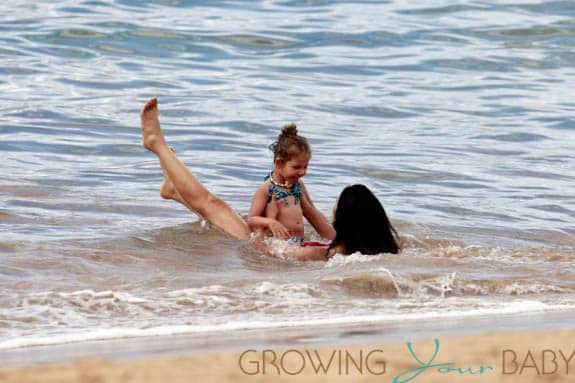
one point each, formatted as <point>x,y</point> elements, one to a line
<point>190,344</point>
<point>503,356</point>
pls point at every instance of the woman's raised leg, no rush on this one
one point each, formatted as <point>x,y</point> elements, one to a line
<point>168,190</point>
<point>192,192</point>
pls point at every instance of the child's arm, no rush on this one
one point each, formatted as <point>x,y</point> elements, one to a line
<point>258,218</point>
<point>314,216</point>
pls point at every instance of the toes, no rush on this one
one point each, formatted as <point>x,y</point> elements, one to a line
<point>150,105</point>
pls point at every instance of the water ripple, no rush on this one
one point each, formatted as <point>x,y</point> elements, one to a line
<point>466,103</point>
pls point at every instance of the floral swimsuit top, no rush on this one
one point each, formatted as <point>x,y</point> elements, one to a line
<point>281,193</point>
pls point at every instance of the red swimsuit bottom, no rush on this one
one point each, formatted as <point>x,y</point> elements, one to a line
<point>312,243</point>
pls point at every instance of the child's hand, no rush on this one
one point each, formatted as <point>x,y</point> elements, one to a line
<point>278,230</point>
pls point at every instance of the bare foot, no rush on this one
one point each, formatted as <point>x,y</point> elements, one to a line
<point>152,136</point>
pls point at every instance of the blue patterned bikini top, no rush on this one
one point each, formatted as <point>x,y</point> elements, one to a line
<point>281,193</point>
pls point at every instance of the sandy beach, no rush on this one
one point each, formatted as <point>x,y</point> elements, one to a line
<point>533,356</point>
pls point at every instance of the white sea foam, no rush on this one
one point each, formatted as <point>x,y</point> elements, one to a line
<point>517,288</point>
<point>524,306</point>
<point>279,247</point>
<point>284,291</point>
<point>357,257</point>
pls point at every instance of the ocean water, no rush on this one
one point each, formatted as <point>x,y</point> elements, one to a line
<point>457,114</point>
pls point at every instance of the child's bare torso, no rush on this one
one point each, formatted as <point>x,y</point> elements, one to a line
<point>288,212</point>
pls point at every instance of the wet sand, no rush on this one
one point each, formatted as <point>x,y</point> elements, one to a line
<point>525,356</point>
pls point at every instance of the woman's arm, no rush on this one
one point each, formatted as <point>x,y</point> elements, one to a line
<point>315,253</point>
<point>314,216</point>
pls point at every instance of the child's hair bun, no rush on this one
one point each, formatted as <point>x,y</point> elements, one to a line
<point>289,143</point>
<point>289,130</point>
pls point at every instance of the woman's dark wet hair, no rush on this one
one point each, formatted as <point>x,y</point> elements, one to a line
<point>361,223</point>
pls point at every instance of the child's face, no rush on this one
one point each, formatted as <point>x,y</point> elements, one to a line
<point>294,169</point>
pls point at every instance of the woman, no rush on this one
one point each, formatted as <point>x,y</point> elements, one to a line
<point>360,223</point>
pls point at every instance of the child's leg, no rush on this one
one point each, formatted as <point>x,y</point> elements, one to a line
<point>192,192</point>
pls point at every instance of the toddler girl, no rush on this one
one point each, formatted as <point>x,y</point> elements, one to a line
<point>281,202</point>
